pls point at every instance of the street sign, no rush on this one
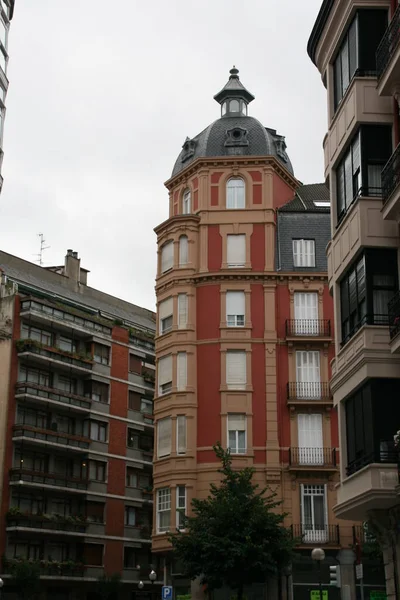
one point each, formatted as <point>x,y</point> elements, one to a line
<point>377,595</point>
<point>315,595</point>
<point>359,571</point>
<point>166,592</point>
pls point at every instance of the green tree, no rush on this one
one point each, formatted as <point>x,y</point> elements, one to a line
<point>26,578</point>
<point>236,536</point>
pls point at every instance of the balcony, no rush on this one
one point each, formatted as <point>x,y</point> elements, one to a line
<point>385,454</point>
<point>43,393</point>
<point>391,187</point>
<point>314,534</point>
<point>388,57</point>
<point>394,322</point>
<point>308,393</point>
<point>46,522</point>
<point>310,329</point>
<point>48,568</point>
<point>315,459</point>
<point>26,347</point>
<point>39,478</point>
<point>49,436</point>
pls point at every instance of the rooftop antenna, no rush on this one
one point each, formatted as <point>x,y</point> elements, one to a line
<point>42,249</point>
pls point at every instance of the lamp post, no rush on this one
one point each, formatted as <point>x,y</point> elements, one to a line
<point>152,577</point>
<point>1,585</point>
<point>140,585</point>
<point>318,554</point>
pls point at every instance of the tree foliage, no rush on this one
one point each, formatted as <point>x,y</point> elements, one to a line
<point>26,578</point>
<point>235,536</point>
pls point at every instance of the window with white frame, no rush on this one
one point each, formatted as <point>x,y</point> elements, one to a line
<point>181,371</point>
<point>237,433</point>
<point>235,193</point>
<point>304,253</point>
<point>164,375</point>
<point>235,309</point>
<point>308,378</point>
<point>236,250</point>
<point>98,431</point>
<point>236,369</point>
<point>183,250</point>
<point>181,434</point>
<point>180,506</point>
<point>186,203</point>
<point>163,510</point>
<point>164,433</point>
<point>306,313</point>
<point>182,311</point>
<point>310,439</point>
<point>314,513</point>
<point>167,257</point>
<point>165,315</point>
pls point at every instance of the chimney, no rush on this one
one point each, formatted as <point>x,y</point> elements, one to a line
<point>72,266</point>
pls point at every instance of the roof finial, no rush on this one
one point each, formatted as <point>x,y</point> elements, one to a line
<point>234,73</point>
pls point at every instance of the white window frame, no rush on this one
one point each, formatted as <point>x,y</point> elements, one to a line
<point>304,253</point>
<point>308,374</point>
<point>235,308</point>
<point>164,437</point>
<point>236,378</point>
<point>235,194</point>
<point>187,202</point>
<point>181,434</point>
<point>310,439</point>
<point>238,260</point>
<point>306,313</point>
<point>233,428</point>
<point>166,315</point>
<point>180,505</point>
<point>163,508</point>
<point>312,531</point>
<point>181,371</point>
<point>183,250</point>
<point>164,375</point>
<point>167,256</point>
<point>182,311</point>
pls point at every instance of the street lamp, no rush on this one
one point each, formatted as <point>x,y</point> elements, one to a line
<point>318,554</point>
<point>140,585</point>
<point>1,585</point>
<point>152,576</point>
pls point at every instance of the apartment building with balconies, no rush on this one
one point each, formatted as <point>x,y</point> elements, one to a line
<point>244,340</point>
<point>355,46</point>
<point>76,431</point>
<point>6,14</point>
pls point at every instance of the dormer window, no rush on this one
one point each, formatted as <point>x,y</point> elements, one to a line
<point>186,208</point>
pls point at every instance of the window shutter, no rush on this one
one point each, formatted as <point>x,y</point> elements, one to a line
<point>165,370</point>
<point>235,303</point>
<point>181,371</point>
<point>135,364</point>
<point>236,250</point>
<point>237,422</point>
<point>165,308</point>
<point>236,369</point>
<point>181,434</point>
<point>182,310</point>
<point>309,251</point>
<point>164,430</point>
<point>167,256</point>
<point>296,253</point>
<point>183,250</point>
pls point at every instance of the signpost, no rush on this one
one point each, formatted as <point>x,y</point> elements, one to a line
<point>166,592</point>
<point>315,595</point>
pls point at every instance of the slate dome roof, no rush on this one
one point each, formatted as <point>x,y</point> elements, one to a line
<point>235,133</point>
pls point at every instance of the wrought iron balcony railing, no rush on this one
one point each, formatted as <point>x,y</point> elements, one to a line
<point>394,315</point>
<point>314,390</point>
<point>316,534</point>
<point>308,328</point>
<point>385,454</point>
<point>391,175</point>
<point>312,457</point>
<point>388,44</point>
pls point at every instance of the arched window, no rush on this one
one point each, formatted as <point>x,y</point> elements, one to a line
<point>186,202</point>
<point>234,106</point>
<point>167,256</point>
<point>183,250</point>
<point>224,108</point>
<point>235,193</point>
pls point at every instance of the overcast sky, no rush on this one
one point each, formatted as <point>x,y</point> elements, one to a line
<point>102,95</point>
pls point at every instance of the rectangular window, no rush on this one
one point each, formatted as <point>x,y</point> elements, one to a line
<point>93,554</point>
<point>66,384</point>
<point>236,250</point>
<point>66,344</point>
<point>146,406</point>
<point>306,313</point>
<point>183,251</point>
<point>310,439</point>
<point>235,309</point>
<point>356,56</point>
<point>303,253</point>
<point>164,435</point>
<point>163,510</point>
<point>182,311</point>
<point>135,364</point>
<point>181,371</point>
<point>101,354</point>
<point>95,512</point>
<point>130,516</point>
<point>236,369</point>
<point>97,470</point>
<point>97,391</point>
<point>237,433</point>
<point>181,434</point>
<point>314,513</point>
<point>165,315</point>
<point>131,477</point>
<point>98,431</point>
<point>167,257</point>
<point>34,333</point>
<point>180,506</point>
<point>134,401</point>
<point>186,203</point>
<point>308,379</point>
<point>132,439</point>
<point>164,375</point>
<point>35,376</point>
<point>129,558</point>
<point>366,289</point>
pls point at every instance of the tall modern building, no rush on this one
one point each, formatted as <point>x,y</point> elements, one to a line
<point>6,14</point>
<point>244,339</point>
<point>356,48</point>
<point>76,432</point>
